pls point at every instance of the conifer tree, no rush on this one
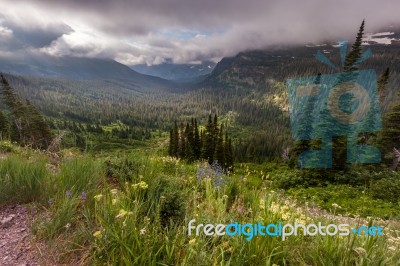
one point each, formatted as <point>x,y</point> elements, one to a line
<point>4,124</point>
<point>28,127</point>
<point>208,149</point>
<point>382,82</point>
<point>182,142</point>
<point>215,130</point>
<point>174,142</point>
<point>189,154</point>
<point>356,50</point>
<point>219,148</point>
<point>192,145</point>
<point>197,141</point>
<point>339,143</point>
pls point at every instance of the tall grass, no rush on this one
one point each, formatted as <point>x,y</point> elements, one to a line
<point>78,175</point>
<point>23,180</point>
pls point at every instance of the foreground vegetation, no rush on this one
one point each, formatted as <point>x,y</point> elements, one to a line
<point>135,210</point>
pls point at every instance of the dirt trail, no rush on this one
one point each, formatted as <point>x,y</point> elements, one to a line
<point>17,246</point>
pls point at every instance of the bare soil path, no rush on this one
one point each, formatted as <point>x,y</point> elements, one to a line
<point>17,245</point>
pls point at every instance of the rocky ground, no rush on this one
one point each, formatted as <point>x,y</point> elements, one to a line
<point>17,245</point>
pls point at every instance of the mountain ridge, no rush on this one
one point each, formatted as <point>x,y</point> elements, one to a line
<point>80,68</point>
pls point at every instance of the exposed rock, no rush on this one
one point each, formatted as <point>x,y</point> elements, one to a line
<point>6,222</point>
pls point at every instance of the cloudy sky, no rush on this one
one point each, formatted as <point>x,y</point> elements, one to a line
<point>184,31</point>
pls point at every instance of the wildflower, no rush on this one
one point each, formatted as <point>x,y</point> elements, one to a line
<point>68,225</point>
<point>225,196</point>
<point>274,207</point>
<point>97,234</point>
<point>98,197</point>
<point>142,231</point>
<point>83,197</point>
<point>262,204</point>
<point>140,185</point>
<point>336,206</point>
<point>285,216</point>
<point>121,214</point>
<point>192,241</point>
<point>218,182</point>
<point>200,174</point>
<point>68,193</point>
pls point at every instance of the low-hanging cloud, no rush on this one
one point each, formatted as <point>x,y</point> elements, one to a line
<point>155,31</point>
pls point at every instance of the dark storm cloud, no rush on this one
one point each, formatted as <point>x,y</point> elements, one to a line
<point>37,37</point>
<point>151,31</point>
<point>29,35</point>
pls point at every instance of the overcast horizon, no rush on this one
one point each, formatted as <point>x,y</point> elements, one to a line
<point>153,32</point>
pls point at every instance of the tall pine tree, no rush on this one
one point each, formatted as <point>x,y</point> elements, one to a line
<point>28,127</point>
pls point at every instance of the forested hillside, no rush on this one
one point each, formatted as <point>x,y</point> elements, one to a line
<point>247,91</point>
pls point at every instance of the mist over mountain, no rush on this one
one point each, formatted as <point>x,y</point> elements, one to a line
<point>177,72</point>
<point>252,69</point>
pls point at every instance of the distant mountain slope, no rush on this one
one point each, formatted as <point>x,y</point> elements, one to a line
<point>253,69</point>
<point>80,69</point>
<point>176,72</point>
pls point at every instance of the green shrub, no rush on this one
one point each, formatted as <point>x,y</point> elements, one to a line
<point>122,170</point>
<point>386,189</point>
<point>165,199</point>
<point>352,201</point>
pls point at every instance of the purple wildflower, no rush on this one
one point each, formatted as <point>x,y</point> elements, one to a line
<point>83,196</point>
<point>68,193</point>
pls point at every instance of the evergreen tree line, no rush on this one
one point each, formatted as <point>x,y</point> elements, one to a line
<point>24,124</point>
<point>211,144</point>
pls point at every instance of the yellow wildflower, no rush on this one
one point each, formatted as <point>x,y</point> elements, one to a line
<point>121,214</point>
<point>98,197</point>
<point>140,185</point>
<point>97,234</point>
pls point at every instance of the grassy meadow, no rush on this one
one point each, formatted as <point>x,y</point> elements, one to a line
<point>133,208</point>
